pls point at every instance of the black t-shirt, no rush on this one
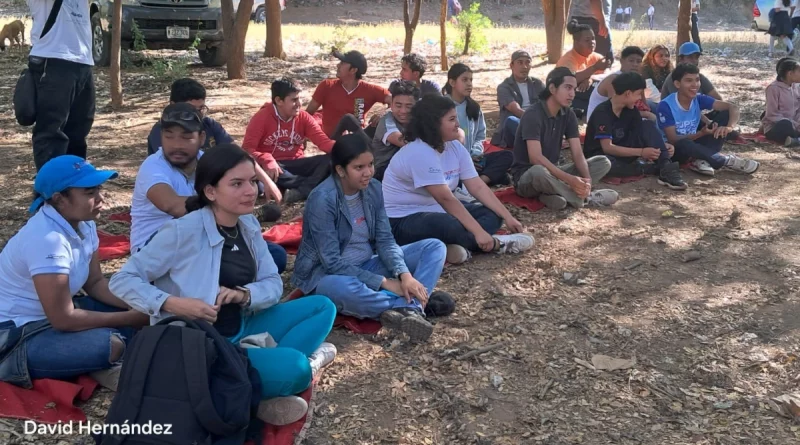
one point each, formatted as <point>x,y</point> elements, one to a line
<point>537,124</point>
<point>237,268</point>
<point>623,130</point>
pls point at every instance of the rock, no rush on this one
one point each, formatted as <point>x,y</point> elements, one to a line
<point>568,276</point>
<point>496,380</point>
<point>691,255</point>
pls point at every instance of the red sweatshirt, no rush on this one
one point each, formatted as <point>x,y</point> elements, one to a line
<point>271,139</point>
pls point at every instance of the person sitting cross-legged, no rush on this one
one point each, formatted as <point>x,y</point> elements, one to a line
<point>515,95</point>
<point>46,332</point>
<point>632,144</point>
<point>275,137</point>
<point>537,148</point>
<point>694,136</point>
<point>213,265</point>
<point>389,136</point>
<point>781,120</point>
<point>419,183</point>
<point>348,252</point>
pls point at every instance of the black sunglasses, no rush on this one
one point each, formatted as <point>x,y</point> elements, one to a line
<point>180,116</point>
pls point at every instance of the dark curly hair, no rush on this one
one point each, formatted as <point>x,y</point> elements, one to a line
<point>404,88</point>
<point>426,120</point>
<point>416,62</point>
<point>575,29</point>
<point>455,71</point>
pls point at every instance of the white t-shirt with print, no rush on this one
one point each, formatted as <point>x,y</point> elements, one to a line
<point>70,38</point>
<point>418,165</point>
<point>146,218</point>
<point>46,244</point>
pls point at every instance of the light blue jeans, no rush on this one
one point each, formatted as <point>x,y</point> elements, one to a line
<point>424,259</point>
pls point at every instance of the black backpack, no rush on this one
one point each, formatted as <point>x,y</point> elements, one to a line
<point>188,377</point>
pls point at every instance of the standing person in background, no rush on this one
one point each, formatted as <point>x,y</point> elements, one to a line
<point>795,15</point>
<point>781,26</point>
<point>627,17</point>
<point>651,14</point>
<point>619,16</point>
<point>65,103</point>
<point>695,28</point>
<point>596,14</point>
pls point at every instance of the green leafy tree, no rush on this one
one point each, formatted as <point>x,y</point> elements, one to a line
<point>472,26</point>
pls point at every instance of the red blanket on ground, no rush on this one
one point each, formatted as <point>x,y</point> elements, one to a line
<point>49,401</point>
<point>353,324</point>
<point>112,246</point>
<point>509,196</point>
<point>287,235</point>
<point>286,434</point>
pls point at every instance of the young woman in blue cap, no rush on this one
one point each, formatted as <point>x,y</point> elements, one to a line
<point>44,331</point>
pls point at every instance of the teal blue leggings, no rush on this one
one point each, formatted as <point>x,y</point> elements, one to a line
<point>299,327</point>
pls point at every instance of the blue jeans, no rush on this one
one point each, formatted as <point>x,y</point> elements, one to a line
<point>54,354</point>
<point>298,327</point>
<point>510,126</point>
<point>445,227</point>
<point>278,255</point>
<point>424,259</point>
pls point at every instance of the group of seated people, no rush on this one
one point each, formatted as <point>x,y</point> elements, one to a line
<point>389,203</point>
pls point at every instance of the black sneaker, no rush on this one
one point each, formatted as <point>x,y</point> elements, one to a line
<point>440,304</point>
<point>670,176</point>
<point>409,322</point>
<point>267,213</point>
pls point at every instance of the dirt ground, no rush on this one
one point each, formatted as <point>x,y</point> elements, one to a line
<point>713,339</point>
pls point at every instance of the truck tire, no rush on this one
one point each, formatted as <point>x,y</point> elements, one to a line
<point>261,15</point>
<point>101,42</point>
<point>213,56</point>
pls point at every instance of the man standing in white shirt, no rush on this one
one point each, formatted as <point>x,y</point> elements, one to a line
<point>61,63</point>
<point>651,13</point>
<point>695,28</point>
<point>795,15</point>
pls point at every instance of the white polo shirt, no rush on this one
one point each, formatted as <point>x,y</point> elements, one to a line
<point>70,38</point>
<point>46,244</point>
<point>146,218</point>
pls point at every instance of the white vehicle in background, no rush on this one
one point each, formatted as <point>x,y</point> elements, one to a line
<point>259,14</point>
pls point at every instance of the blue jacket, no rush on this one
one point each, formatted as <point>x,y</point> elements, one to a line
<point>327,230</point>
<point>215,135</point>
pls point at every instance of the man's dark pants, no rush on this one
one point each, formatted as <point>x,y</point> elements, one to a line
<point>304,174</point>
<point>65,103</point>
<point>696,32</point>
<point>648,136</point>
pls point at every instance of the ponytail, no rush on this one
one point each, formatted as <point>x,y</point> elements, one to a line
<point>195,203</point>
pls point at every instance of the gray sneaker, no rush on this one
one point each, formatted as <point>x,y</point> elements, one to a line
<point>602,198</point>
<point>409,322</point>
<point>281,411</point>
<point>791,142</point>
<point>741,165</point>
<point>515,242</point>
<point>553,202</point>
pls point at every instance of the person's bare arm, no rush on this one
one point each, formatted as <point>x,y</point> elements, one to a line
<point>442,194</point>
<point>477,188</point>
<point>97,286</point>
<point>578,158</point>
<point>396,139</point>
<point>165,199</point>
<point>649,153</point>
<point>515,109</point>
<point>715,94</point>
<point>53,292</point>
<point>673,137</point>
<point>537,158</point>
<point>597,11</point>
<point>312,107</point>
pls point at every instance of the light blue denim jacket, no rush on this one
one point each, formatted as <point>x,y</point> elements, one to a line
<point>474,130</point>
<point>183,260</point>
<point>327,230</point>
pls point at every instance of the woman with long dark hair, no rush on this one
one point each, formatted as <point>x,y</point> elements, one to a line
<point>493,168</point>
<point>214,265</point>
<point>348,252</point>
<point>781,120</point>
<point>418,188</point>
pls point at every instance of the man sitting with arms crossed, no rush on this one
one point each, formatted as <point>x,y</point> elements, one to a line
<point>538,145</point>
<point>631,143</point>
<point>346,100</point>
<point>192,92</point>
<point>275,138</point>
<point>515,95</point>
<point>680,119</point>
<point>389,137</point>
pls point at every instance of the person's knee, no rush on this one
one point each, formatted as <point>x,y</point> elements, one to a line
<point>536,175</point>
<point>117,348</point>
<point>435,249</point>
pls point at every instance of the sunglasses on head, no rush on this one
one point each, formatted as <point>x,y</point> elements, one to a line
<point>180,116</point>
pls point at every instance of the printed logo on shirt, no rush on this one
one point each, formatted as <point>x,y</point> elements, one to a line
<point>360,109</point>
<point>235,248</point>
<point>601,128</point>
<point>448,175</point>
<point>619,133</point>
<point>434,170</point>
<point>662,118</point>
<point>283,140</point>
<point>360,220</point>
<point>54,256</point>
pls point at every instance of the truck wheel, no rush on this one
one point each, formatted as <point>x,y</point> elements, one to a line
<point>101,42</point>
<point>260,15</point>
<point>213,56</point>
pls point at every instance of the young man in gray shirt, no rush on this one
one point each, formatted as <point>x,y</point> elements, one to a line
<point>515,95</point>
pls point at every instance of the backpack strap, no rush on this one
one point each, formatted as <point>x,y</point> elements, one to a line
<point>198,384</point>
<point>51,19</point>
<point>136,362</point>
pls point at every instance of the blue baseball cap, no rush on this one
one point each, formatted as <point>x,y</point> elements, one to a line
<point>688,49</point>
<point>63,172</point>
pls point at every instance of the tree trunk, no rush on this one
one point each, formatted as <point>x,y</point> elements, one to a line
<point>410,24</point>
<point>274,46</point>
<point>235,32</point>
<point>555,21</point>
<point>684,22</point>
<point>467,36</point>
<point>443,34</point>
<point>116,37</point>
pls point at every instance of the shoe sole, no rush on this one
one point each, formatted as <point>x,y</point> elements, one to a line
<point>703,172</point>
<point>455,255</point>
<point>417,329</point>
<point>673,187</point>
<point>295,412</point>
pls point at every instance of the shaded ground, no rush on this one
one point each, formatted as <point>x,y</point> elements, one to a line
<point>713,339</point>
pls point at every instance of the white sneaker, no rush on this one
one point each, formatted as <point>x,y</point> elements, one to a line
<point>602,198</point>
<point>462,195</point>
<point>322,357</point>
<point>457,254</point>
<point>281,411</point>
<point>702,167</point>
<point>515,243</point>
<point>742,165</point>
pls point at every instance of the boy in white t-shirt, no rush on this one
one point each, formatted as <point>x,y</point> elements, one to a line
<point>418,190</point>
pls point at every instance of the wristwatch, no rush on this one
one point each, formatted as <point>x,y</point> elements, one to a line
<point>246,302</point>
